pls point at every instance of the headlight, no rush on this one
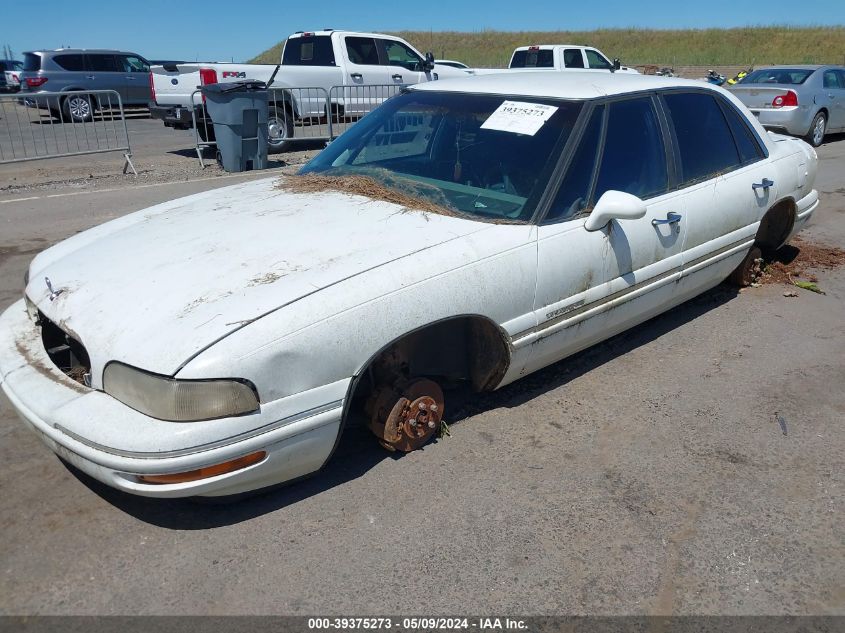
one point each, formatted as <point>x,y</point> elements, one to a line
<point>178,400</point>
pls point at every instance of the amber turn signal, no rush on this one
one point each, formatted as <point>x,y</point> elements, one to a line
<point>204,473</point>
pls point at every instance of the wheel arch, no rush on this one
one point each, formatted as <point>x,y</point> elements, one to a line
<point>482,330</point>
<point>776,225</point>
<point>486,371</point>
<point>287,102</point>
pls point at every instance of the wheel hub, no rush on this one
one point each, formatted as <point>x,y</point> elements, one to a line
<point>276,129</point>
<point>405,416</point>
<point>79,107</point>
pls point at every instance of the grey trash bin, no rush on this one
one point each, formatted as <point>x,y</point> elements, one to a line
<point>239,113</point>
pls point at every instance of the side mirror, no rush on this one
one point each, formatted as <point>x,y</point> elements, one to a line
<point>614,205</point>
<point>428,64</point>
<point>616,63</point>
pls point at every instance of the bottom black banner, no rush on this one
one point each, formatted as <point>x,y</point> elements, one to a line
<point>410,624</point>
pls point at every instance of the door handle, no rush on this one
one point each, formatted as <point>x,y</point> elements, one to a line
<point>763,185</point>
<point>671,218</point>
<point>130,78</point>
<point>356,76</point>
<point>397,77</point>
<point>89,77</point>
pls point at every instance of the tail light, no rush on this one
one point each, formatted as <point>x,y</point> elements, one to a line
<point>208,76</point>
<point>152,88</point>
<point>788,99</point>
<point>34,82</point>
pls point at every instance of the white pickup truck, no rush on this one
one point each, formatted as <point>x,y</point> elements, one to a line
<point>319,59</point>
<point>564,57</point>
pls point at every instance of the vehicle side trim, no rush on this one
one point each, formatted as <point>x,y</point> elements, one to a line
<point>581,312</point>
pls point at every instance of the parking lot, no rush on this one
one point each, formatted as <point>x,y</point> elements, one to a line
<point>693,465</point>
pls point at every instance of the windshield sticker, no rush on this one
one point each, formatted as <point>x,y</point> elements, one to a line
<point>519,117</point>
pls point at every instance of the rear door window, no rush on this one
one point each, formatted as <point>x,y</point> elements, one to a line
<point>70,61</point>
<point>309,51</point>
<point>705,143</point>
<point>831,80</point>
<point>362,50</point>
<point>634,157</point>
<point>746,141</point>
<point>597,61</point>
<point>103,63</point>
<point>572,58</point>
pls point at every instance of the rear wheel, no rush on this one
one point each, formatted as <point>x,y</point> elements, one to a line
<point>747,272</point>
<point>817,130</point>
<point>78,108</point>
<point>279,130</point>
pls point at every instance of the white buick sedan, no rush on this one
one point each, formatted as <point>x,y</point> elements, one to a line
<point>467,232</point>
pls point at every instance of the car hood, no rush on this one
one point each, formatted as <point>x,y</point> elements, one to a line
<point>155,288</point>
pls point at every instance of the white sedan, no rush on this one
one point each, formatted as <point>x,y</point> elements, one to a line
<point>468,232</point>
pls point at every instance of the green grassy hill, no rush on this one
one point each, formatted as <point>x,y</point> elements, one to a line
<point>698,47</point>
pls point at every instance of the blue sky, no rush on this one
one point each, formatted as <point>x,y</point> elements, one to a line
<point>240,30</point>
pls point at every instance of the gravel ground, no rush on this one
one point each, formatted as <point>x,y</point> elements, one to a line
<point>693,465</point>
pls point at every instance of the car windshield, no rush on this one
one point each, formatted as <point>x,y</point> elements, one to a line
<point>489,157</point>
<point>778,76</point>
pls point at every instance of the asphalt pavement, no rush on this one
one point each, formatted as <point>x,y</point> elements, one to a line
<point>693,465</point>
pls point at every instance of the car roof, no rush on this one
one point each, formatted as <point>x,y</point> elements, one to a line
<point>561,85</point>
<point>81,50</point>
<point>339,31</point>
<point>793,66</point>
<point>548,46</point>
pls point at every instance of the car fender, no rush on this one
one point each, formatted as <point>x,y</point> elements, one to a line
<point>346,325</point>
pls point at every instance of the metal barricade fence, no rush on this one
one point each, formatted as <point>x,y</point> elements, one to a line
<point>301,114</point>
<point>298,114</point>
<point>36,126</point>
<point>350,103</point>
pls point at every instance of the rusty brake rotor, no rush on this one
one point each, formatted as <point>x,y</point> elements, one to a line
<point>405,416</point>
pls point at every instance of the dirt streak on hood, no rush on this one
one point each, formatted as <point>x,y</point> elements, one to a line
<point>406,193</point>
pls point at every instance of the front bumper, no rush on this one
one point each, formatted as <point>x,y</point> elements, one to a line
<point>795,120</point>
<point>298,441</point>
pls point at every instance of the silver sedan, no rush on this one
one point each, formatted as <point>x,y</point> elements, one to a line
<point>805,101</point>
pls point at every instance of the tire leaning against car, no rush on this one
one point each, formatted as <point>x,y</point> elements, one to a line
<point>78,108</point>
<point>817,129</point>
